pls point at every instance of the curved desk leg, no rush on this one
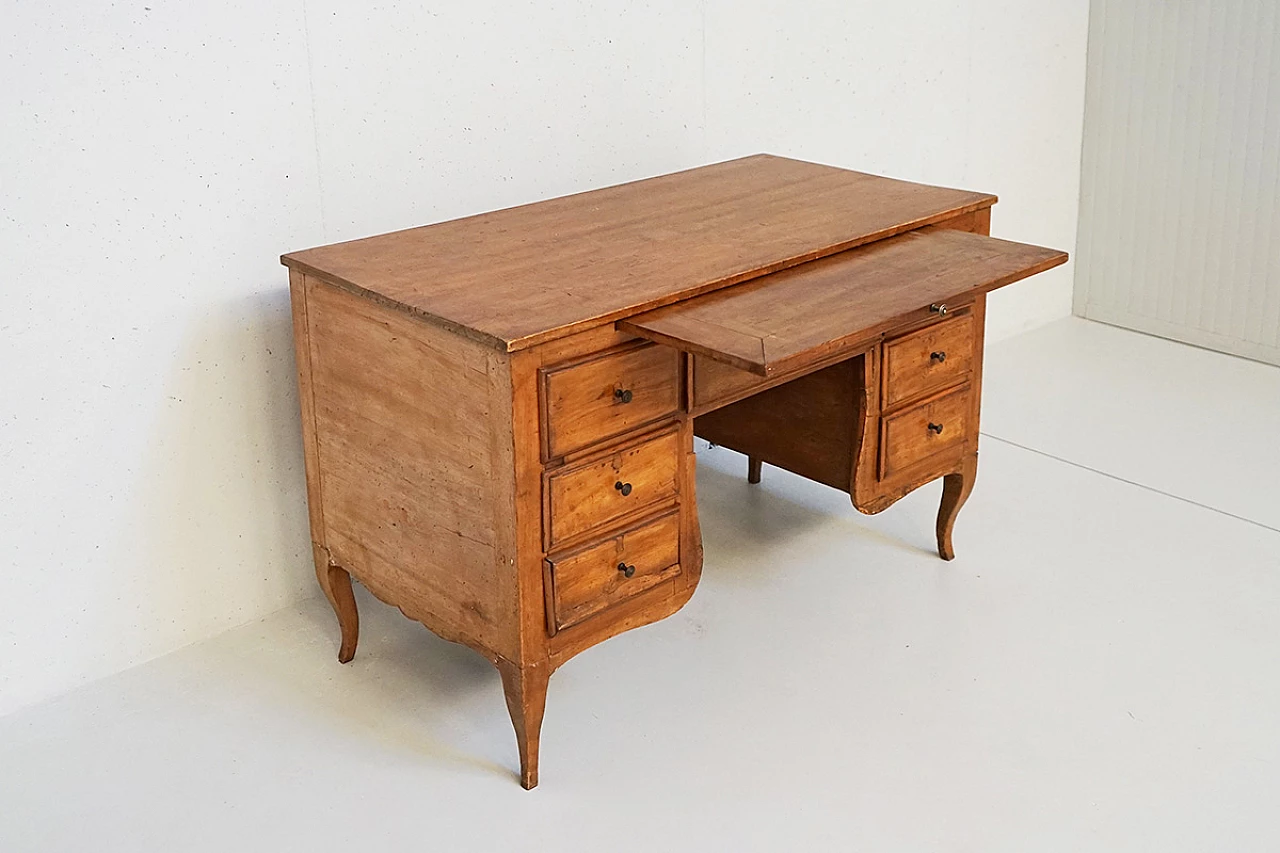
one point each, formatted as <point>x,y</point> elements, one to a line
<point>955,491</point>
<point>753,469</point>
<point>526,692</point>
<point>336,583</point>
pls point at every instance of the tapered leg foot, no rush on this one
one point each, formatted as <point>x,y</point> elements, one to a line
<point>955,491</point>
<point>336,583</point>
<point>526,692</point>
<point>753,469</point>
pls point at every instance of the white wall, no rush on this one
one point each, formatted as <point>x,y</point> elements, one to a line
<point>158,158</point>
<point>986,95</point>
<point>1180,195</point>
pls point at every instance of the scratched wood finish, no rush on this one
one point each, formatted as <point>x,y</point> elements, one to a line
<point>806,425</point>
<point>604,397</point>
<point>335,582</point>
<point>413,438</point>
<point>545,645</point>
<point>517,277</point>
<point>623,482</point>
<point>931,358</point>
<point>801,316</point>
<point>875,489</point>
<point>713,384</point>
<point>938,426</point>
<point>464,435</point>
<point>584,582</point>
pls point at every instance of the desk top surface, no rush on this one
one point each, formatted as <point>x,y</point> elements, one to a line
<point>517,277</point>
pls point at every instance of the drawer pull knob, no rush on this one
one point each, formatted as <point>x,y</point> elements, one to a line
<point>939,356</point>
<point>939,308</point>
<point>622,395</point>
<point>625,488</point>
<point>626,570</point>
<point>936,429</point>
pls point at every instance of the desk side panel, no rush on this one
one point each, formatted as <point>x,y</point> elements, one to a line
<point>414,450</point>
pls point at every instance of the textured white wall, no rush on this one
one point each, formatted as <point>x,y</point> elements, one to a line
<point>1180,195</point>
<point>158,158</point>
<point>986,95</point>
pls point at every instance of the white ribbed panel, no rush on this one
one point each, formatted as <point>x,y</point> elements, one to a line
<point>1180,191</point>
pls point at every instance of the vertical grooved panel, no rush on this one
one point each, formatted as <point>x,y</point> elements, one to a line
<point>1179,206</point>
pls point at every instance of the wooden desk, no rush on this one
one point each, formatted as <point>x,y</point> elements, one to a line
<point>498,412</point>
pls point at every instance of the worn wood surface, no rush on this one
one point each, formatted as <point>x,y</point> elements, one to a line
<point>801,316</point>
<point>713,384</point>
<point>525,689</point>
<point>931,358</point>
<point>876,489</point>
<point>517,277</point>
<point>543,644</point>
<point>467,440</point>
<point>656,603</point>
<point>956,488</point>
<point>306,401</point>
<point>805,426</point>
<point>933,427</point>
<point>335,583</point>
<point>588,580</point>
<point>413,436</point>
<point>608,395</point>
<point>626,481</point>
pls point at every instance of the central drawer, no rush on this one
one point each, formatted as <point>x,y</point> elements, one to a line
<point>600,490</point>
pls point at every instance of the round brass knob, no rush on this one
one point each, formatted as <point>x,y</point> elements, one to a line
<point>625,488</point>
<point>626,570</point>
<point>939,308</point>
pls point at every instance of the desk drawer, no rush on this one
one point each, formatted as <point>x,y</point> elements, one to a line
<point>594,493</point>
<point>929,359</point>
<point>584,582</point>
<point>938,427</point>
<point>608,395</point>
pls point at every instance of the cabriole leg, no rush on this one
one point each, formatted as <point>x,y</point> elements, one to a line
<point>955,491</point>
<point>336,583</point>
<point>526,692</point>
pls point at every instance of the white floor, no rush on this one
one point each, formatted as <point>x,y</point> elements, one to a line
<point>1098,670</point>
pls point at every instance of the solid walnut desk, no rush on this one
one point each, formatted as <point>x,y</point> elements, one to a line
<point>498,412</point>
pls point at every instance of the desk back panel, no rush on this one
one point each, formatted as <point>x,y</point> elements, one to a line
<point>806,426</point>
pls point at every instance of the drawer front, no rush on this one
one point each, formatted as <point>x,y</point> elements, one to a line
<point>937,427</point>
<point>587,581</point>
<point>602,490</point>
<point>715,383</point>
<point>931,358</point>
<point>598,399</point>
